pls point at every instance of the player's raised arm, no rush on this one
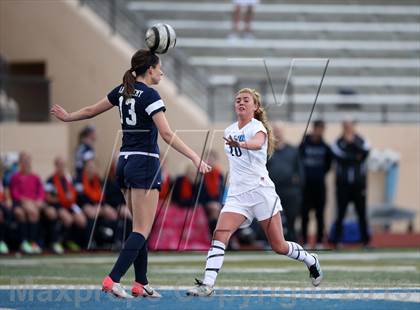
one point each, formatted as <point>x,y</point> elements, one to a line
<point>84,113</point>
<point>170,138</point>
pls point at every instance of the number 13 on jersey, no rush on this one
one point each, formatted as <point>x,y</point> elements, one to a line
<point>131,119</point>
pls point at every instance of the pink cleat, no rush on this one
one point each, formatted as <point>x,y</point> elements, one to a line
<point>109,286</point>
<point>137,289</point>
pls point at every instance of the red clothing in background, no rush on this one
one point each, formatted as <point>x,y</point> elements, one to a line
<point>2,195</point>
<point>27,186</point>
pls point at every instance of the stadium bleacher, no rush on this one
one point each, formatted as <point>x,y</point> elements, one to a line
<point>372,46</point>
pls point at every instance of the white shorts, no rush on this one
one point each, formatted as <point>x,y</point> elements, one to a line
<point>260,203</point>
<point>246,2</point>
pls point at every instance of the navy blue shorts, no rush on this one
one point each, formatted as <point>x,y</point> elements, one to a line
<point>138,171</point>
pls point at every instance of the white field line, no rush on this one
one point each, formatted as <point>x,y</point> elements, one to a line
<point>230,257</point>
<point>257,292</point>
<point>290,269</point>
<point>407,297</point>
<point>302,284</point>
<point>277,290</point>
<point>183,270</point>
<point>267,284</point>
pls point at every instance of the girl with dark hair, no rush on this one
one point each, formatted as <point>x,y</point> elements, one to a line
<point>138,170</point>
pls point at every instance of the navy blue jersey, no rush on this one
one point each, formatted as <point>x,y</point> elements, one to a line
<point>139,131</point>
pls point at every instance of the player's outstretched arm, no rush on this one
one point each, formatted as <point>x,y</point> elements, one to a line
<point>170,138</point>
<point>255,143</point>
<point>84,113</point>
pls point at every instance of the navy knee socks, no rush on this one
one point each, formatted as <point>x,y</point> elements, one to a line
<point>134,243</point>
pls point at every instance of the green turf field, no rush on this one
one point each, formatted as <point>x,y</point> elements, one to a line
<point>257,269</point>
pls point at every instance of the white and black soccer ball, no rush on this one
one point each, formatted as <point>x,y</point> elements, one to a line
<point>160,38</point>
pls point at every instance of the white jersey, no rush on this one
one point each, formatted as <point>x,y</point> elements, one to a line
<point>247,168</point>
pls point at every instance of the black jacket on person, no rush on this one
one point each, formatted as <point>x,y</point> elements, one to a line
<point>316,159</point>
<point>285,170</point>
<point>351,168</point>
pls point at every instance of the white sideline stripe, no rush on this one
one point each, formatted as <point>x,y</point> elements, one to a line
<point>312,293</point>
<point>301,44</point>
<point>388,269</point>
<point>286,62</point>
<point>293,26</point>
<point>231,257</point>
<point>235,287</point>
<point>407,297</point>
<point>278,8</point>
<point>183,270</point>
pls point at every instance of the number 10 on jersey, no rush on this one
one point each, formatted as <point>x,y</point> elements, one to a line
<point>131,119</point>
<point>235,151</point>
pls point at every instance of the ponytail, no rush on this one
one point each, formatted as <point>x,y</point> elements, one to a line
<point>261,115</point>
<point>128,82</point>
<point>141,61</point>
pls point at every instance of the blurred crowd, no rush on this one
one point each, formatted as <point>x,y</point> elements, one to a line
<point>75,210</point>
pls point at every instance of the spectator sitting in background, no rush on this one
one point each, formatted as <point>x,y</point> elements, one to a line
<point>5,212</point>
<point>10,167</point>
<point>212,191</point>
<point>28,195</point>
<point>166,185</point>
<point>89,194</point>
<point>85,150</point>
<point>350,154</point>
<point>286,171</point>
<point>185,190</point>
<point>316,157</point>
<point>61,195</point>
<point>236,18</point>
<point>115,198</point>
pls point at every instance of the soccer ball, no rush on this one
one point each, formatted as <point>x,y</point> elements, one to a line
<point>160,38</point>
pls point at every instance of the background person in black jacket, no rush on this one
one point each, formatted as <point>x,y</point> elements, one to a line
<point>316,157</point>
<point>286,171</point>
<point>350,153</point>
